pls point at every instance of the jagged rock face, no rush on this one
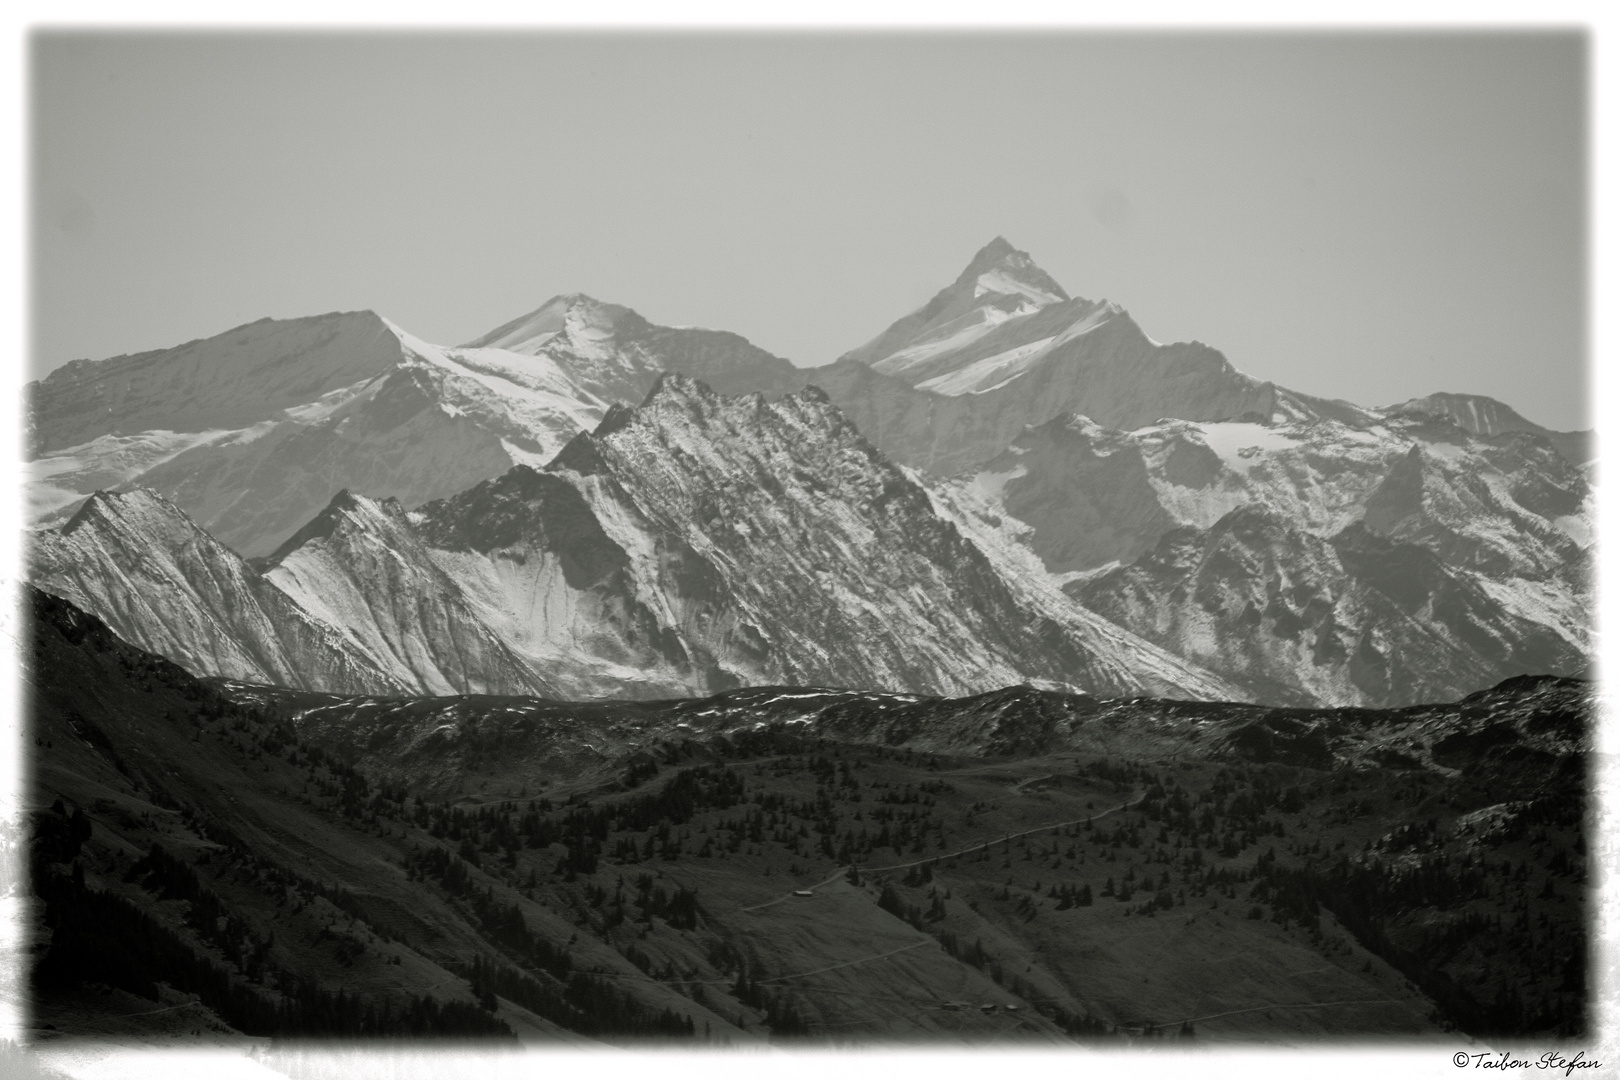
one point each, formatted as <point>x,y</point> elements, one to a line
<point>253,431</point>
<point>1352,619</point>
<point>703,542</point>
<point>1506,505</point>
<point>442,520</point>
<point>145,568</point>
<point>1087,493</point>
<point>562,565</point>
<point>945,388</point>
<point>831,562</point>
<point>938,434</point>
<point>1286,557</point>
<point>1461,498</point>
<point>359,566</point>
<point>695,543</point>
<point>1095,496</point>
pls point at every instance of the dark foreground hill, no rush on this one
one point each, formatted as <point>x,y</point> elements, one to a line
<point>769,864</point>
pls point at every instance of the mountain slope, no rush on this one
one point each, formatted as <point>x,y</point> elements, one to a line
<point>1504,505</point>
<point>359,566</point>
<point>201,872</point>
<point>700,542</point>
<point>946,387</point>
<point>1004,326</point>
<point>230,381</point>
<point>802,515</point>
<point>1481,415</point>
<point>521,560</point>
<point>618,355</point>
<point>254,430</point>
<point>998,283</point>
<point>1354,619</point>
<point>1224,542</point>
<point>1313,845</point>
<point>141,564</point>
<point>695,543</point>
<point>475,539</point>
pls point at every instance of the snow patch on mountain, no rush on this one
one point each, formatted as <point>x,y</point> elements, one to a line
<point>1239,444</point>
<point>946,340</point>
<point>1005,280</point>
<point>63,478</point>
<point>325,405</point>
<point>1578,527</point>
<point>990,373</point>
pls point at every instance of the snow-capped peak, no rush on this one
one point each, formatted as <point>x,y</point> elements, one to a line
<point>140,508</point>
<point>573,317</point>
<point>999,269</point>
<point>1486,416</point>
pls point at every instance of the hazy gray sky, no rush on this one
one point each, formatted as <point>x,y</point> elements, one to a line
<point>1354,215</point>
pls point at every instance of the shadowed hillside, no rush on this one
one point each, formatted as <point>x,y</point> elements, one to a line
<point>217,859</point>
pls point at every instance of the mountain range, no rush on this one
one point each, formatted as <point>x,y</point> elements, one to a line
<point>1007,485</point>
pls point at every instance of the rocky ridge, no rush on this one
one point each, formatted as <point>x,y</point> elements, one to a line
<point>695,543</point>
<point>444,514</point>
